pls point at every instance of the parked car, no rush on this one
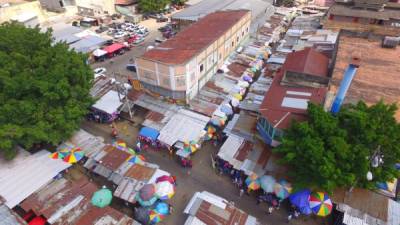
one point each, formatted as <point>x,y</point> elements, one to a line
<point>162,19</point>
<point>138,41</point>
<point>131,67</point>
<point>101,29</point>
<point>75,24</point>
<point>109,42</point>
<point>120,34</point>
<point>99,71</point>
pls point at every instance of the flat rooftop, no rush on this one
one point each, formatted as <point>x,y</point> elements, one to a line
<point>345,10</point>
<point>191,41</point>
<point>378,76</point>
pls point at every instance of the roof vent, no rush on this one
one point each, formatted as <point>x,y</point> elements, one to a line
<point>390,42</point>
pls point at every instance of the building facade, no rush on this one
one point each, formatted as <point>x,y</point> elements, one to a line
<point>179,67</point>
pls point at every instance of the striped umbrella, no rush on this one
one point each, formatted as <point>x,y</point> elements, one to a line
<point>120,145</point>
<point>282,189</point>
<point>58,155</point>
<point>139,159</point>
<point>252,182</point>
<point>155,217</point>
<point>74,155</point>
<point>146,195</point>
<point>165,190</point>
<point>320,203</point>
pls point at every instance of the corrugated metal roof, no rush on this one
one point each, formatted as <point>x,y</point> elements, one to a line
<point>26,173</point>
<point>183,126</point>
<point>191,41</point>
<point>8,217</point>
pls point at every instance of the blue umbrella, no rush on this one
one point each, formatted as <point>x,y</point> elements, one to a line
<point>300,200</point>
<point>162,208</point>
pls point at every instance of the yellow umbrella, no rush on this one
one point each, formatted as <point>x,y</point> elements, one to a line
<point>238,96</point>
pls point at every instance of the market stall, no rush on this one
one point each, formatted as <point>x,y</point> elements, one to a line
<point>106,109</point>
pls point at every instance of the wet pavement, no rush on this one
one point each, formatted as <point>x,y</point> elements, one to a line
<point>201,177</point>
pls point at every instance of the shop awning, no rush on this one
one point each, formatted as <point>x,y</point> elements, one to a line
<point>99,52</point>
<point>113,48</point>
<point>149,133</point>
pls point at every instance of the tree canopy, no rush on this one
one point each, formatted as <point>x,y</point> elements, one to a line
<point>329,151</point>
<point>150,6</point>
<point>44,88</point>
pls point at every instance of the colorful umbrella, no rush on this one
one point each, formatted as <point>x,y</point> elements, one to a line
<point>146,195</point>
<point>165,190</point>
<point>235,102</point>
<point>155,217</point>
<point>74,156</point>
<point>165,178</point>
<point>211,129</point>
<point>300,200</point>
<point>320,203</point>
<point>58,155</point>
<point>282,189</point>
<point>238,96</point>
<point>252,182</point>
<point>37,221</point>
<point>102,198</point>
<point>120,145</point>
<point>162,208</point>
<point>139,159</point>
<point>267,183</point>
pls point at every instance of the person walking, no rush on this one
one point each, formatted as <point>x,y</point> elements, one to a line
<point>241,192</point>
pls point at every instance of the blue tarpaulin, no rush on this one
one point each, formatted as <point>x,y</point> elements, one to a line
<point>149,133</point>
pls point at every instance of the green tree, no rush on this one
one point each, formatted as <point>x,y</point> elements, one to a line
<point>178,2</point>
<point>327,152</point>
<point>44,88</point>
<point>150,6</point>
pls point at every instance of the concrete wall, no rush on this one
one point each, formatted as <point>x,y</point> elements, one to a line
<point>29,7</point>
<point>98,6</point>
<point>193,75</point>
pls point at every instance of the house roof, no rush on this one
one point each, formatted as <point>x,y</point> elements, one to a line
<point>213,210</point>
<point>343,10</point>
<point>114,159</point>
<point>68,202</point>
<point>365,202</point>
<point>27,173</point>
<point>205,7</point>
<point>377,78</point>
<point>9,217</point>
<point>282,103</point>
<point>191,41</point>
<point>307,61</point>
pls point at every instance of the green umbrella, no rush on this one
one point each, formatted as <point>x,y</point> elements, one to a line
<point>102,197</point>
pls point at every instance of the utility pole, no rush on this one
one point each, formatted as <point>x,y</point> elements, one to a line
<point>123,95</point>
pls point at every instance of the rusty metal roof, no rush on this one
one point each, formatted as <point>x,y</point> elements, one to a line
<point>191,41</point>
<point>59,195</point>
<point>273,107</point>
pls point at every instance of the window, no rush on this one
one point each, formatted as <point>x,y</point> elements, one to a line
<point>180,81</point>
<point>233,43</point>
<point>237,38</point>
<point>242,33</point>
<point>247,30</point>
<point>165,81</point>
<point>201,68</point>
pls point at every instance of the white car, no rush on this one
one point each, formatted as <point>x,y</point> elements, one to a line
<point>99,71</point>
<point>120,35</point>
<point>138,41</point>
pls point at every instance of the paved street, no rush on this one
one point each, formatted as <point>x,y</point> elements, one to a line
<point>117,64</point>
<point>201,177</point>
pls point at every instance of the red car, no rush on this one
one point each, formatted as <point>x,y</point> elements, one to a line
<point>132,39</point>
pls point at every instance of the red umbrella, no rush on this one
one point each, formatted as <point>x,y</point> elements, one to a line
<point>37,221</point>
<point>165,178</point>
